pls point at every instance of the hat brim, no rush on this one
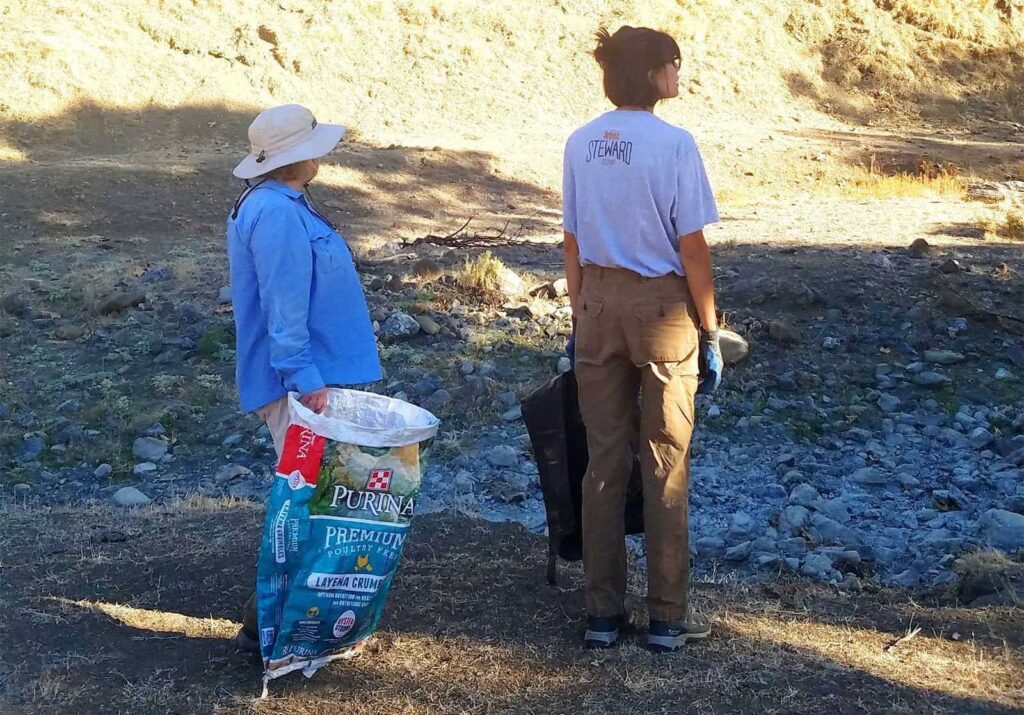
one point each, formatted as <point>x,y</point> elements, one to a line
<point>320,143</point>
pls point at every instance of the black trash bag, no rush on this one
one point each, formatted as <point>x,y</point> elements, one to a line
<point>559,439</point>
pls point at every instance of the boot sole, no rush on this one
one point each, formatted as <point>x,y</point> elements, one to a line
<point>600,639</point>
<point>670,644</point>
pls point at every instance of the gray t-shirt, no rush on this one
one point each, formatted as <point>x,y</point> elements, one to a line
<point>632,184</point>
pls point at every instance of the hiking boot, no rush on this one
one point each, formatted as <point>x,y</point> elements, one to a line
<point>668,637</point>
<point>603,631</point>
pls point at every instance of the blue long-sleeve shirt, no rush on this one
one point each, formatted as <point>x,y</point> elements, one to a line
<point>300,314</point>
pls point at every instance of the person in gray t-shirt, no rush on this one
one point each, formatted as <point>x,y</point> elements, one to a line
<point>635,201</point>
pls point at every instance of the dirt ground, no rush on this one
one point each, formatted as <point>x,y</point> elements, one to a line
<point>134,612</point>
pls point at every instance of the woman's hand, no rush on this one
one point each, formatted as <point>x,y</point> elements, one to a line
<point>316,400</point>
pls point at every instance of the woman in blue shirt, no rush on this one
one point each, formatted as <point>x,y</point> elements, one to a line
<point>300,314</point>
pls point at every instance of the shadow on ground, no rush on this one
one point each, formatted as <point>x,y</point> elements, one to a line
<point>471,624</point>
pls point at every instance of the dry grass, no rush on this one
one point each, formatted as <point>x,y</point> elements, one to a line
<point>470,627</point>
<point>485,273</point>
<point>871,182</point>
<point>1010,228</point>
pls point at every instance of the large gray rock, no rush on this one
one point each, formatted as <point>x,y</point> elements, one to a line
<point>1003,529</point>
<point>735,348</point>
<point>793,519</point>
<point>399,325</point>
<point>943,357</point>
<point>149,449</point>
<point>819,566</point>
<point>503,456</point>
<point>130,496</point>
<point>804,495</point>
<point>119,301</point>
<point>712,547</point>
<point>783,332</point>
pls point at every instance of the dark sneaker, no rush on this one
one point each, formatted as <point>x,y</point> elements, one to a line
<point>246,641</point>
<point>603,631</point>
<point>666,637</point>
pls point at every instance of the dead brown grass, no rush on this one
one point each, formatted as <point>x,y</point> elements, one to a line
<point>470,627</point>
<point>1010,228</point>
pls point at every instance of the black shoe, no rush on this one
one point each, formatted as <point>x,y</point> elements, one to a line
<point>603,631</point>
<point>246,641</point>
<point>666,637</point>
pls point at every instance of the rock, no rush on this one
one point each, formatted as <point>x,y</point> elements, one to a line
<point>818,566</point>
<point>167,357</point>
<point>711,547</point>
<point>950,265</point>
<point>943,357</point>
<point>908,578</point>
<point>155,430</point>
<point>835,509</point>
<point>22,489</point>
<point>103,471</point>
<point>68,332</point>
<point>714,411</point>
<point>889,403</point>
<point>503,456</point>
<point>438,401</point>
<point>428,325</point>
<point>735,347</point>
<point>737,553</point>
<point>130,497</point>
<point>1002,529</point>
<point>829,531</point>
<point>466,367</point>
<point>558,288</point>
<point>231,471</point>
<point>783,332</point>
<point>224,295</point>
<point>513,414</point>
<point>15,304</point>
<point>399,325</point>
<point>981,438</point>
<point>564,365</point>
<point>804,495</point>
<point>149,449</point>
<point>143,468</point>
<point>793,546</point>
<point>31,447</point>
<point>793,520</point>
<point>944,501</point>
<point>426,269</point>
<point>920,247</point>
<point>121,300</point>
<point>830,343</point>
<point>869,476</point>
<point>156,274</point>
<point>232,440</point>
<point>69,406</point>
<point>1016,355</point>
<point>741,528</point>
<point>1003,374</point>
<point>929,378</point>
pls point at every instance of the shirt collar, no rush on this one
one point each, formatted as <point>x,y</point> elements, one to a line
<point>282,188</point>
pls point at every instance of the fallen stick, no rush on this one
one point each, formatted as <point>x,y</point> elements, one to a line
<point>902,639</point>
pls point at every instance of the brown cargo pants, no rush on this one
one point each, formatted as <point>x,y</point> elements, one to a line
<point>636,337</point>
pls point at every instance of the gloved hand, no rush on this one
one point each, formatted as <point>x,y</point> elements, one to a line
<point>711,363</point>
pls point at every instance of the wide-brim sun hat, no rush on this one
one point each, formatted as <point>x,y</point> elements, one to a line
<point>284,135</point>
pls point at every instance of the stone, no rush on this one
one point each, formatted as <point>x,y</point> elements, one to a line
<point>68,332</point>
<point>15,304</point>
<point>930,378</point>
<point>869,476</point>
<point>130,497</point>
<point>231,471</point>
<point>31,447</point>
<point>943,357</point>
<point>398,326</point>
<point>466,367</point>
<point>783,332</point>
<point>232,440</point>
<point>793,546</point>
<point>149,449</point>
<point>981,438</point>
<point>103,471</point>
<point>829,531</point>
<point>438,401</point>
<point>804,495</point>
<point>428,325</point>
<point>22,489</point>
<point>513,414</point>
<point>564,365</point>
<point>1016,355</point>
<point>793,519</point>
<point>735,347</point>
<point>741,528</point>
<point>69,406</point>
<point>950,265</point>
<point>143,468</point>
<point>738,553</point>
<point>503,456</point>
<point>711,547</point>
<point>426,269</point>
<point>889,403</point>
<point>920,248</point>
<point>944,501</point>
<point>120,301</point>
<point>224,295</point>
<point>1003,374</point>
<point>836,509</point>
<point>1002,529</point>
<point>818,566</point>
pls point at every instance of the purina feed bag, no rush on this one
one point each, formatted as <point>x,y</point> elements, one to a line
<point>337,519</point>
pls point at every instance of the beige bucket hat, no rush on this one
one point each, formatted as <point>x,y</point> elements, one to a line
<point>284,135</point>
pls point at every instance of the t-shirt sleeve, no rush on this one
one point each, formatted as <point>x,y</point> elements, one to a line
<point>568,194</point>
<point>695,202</point>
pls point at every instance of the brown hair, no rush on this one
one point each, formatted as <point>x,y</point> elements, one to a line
<point>627,58</point>
<point>288,172</point>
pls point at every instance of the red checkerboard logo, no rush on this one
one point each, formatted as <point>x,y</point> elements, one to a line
<point>380,480</point>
